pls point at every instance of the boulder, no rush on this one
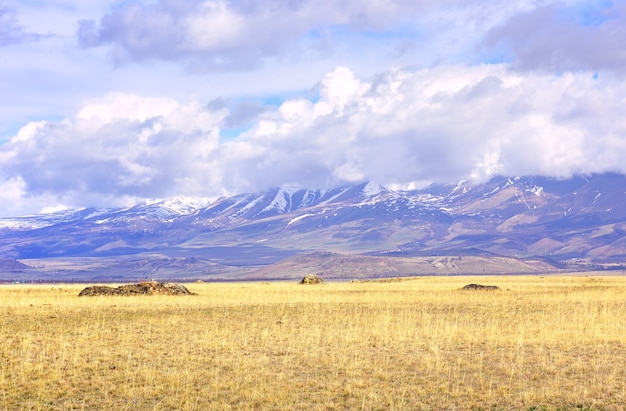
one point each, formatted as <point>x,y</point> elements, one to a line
<point>143,288</point>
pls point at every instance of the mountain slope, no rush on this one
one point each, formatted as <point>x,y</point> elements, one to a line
<point>576,223</point>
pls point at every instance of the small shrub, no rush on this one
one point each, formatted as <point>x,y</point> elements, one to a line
<point>481,287</point>
<point>312,279</point>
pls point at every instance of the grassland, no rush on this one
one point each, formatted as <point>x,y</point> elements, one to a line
<point>553,343</point>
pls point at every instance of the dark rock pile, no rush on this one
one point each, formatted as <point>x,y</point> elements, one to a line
<point>144,288</point>
<point>481,287</point>
<point>312,279</point>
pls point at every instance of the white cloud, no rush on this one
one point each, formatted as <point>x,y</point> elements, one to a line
<point>214,27</point>
<point>217,34</point>
<point>418,95</point>
<point>440,124</point>
<point>12,192</point>
<point>120,106</point>
<point>113,150</point>
<point>400,127</point>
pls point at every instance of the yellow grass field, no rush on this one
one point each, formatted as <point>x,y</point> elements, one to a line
<point>539,343</point>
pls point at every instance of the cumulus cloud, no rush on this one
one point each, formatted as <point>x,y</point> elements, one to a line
<point>119,149</point>
<point>559,38</point>
<point>400,127</point>
<point>439,124</point>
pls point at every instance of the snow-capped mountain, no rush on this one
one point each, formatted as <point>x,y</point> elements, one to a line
<point>574,223</point>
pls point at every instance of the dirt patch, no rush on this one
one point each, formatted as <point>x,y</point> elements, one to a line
<point>481,287</point>
<point>144,288</point>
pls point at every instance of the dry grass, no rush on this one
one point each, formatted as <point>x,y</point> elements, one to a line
<point>553,343</point>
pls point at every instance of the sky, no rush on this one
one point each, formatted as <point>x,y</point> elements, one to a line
<point>107,103</point>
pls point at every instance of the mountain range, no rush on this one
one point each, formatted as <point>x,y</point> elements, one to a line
<point>508,225</point>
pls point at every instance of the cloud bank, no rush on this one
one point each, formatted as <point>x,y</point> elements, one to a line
<point>243,35</point>
<point>153,99</point>
<point>400,127</point>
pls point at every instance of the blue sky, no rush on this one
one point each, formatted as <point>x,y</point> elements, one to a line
<point>106,103</point>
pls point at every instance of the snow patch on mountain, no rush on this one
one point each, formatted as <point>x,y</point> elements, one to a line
<point>308,198</point>
<point>428,200</point>
<point>185,205</point>
<point>536,190</point>
<point>23,223</point>
<point>300,217</point>
<point>96,212</point>
<point>33,222</point>
<point>248,206</point>
<point>334,197</point>
<point>595,199</point>
<point>495,190</point>
<point>462,187</point>
<point>279,202</point>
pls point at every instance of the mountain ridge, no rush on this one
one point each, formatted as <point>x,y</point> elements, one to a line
<point>577,224</point>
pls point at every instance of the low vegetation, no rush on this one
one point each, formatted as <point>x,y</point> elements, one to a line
<point>143,288</point>
<point>312,279</point>
<point>553,343</point>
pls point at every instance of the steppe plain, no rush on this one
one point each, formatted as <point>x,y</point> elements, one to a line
<point>538,343</point>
